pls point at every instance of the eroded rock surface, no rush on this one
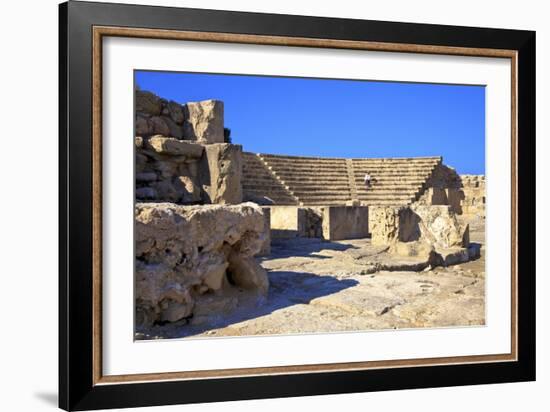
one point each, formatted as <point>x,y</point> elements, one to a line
<point>189,257</point>
<point>431,233</point>
<point>222,173</point>
<point>204,121</point>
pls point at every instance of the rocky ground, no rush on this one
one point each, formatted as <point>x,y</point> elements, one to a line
<point>318,286</point>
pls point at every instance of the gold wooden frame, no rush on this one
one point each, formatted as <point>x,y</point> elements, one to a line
<point>102,31</point>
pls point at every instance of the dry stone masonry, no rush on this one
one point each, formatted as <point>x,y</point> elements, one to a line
<point>473,187</point>
<point>198,121</point>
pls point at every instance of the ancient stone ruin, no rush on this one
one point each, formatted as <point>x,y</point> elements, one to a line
<point>185,252</point>
<point>205,211</point>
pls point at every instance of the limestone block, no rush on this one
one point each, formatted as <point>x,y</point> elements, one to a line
<point>204,121</point>
<point>172,146</point>
<point>183,252</point>
<point>221,173</point>
<point>287,221</point>
<point>441,228</point>
<point>345,222</point>
<point>390,224</point>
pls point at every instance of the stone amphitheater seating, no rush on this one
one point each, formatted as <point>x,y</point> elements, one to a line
<point>312,181</point>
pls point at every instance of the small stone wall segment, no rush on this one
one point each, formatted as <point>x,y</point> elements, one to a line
<point>473,202</point>
<point>167,169</point>
<point>287,221</point>
<point>186,255</point>
<point>185,172</point>
<point>345,222</point>
<point>197,121</point>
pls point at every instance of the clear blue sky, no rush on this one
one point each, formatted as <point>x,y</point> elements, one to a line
<point>340,118</point>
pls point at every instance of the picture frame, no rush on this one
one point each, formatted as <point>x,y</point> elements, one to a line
<point>82,28</point>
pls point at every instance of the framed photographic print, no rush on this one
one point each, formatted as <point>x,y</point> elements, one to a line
<point>256,205</point>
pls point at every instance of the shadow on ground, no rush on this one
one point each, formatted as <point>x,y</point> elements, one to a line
<point>286,289</point>
<point>304,247</point>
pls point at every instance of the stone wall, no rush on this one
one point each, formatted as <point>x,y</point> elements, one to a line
<point>324,222</point>
<point>345,222</point>
<point>186,172</point>
<point>202,122</point>
<point>465,194</point>
<point>181,156</point>
<point>473,187</point>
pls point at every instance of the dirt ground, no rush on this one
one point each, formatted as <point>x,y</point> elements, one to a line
<point>318,286</point>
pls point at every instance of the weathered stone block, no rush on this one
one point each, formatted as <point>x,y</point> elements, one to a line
<point>390,224</point>
<point>221,173</point>
<point>172,146</point>
<point>345,222</point>
<point>287,221</point>
<point>186,251</point>
<point>204,121</point>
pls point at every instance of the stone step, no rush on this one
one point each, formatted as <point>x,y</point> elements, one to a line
<point>320,165</point>
<point>310,172</point>
<point>314,169</point>
<point>367,159</point>
<point>389,172</point>
<point>260,189</point>
<point>306,199</point>
<point>299,177</point>
<point>408,169</point>
<point>408,192</point>
<point>386,198</point>
<point>388,175</point>
<point>390,184</point>
<point>300,194</point>
<point>258,176</point>
<point>384,203</point>
<point>300,158</point>
<point>273,191</point>
<point>426,159</point>
<point>404,163</point>
<point>324,187</point>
